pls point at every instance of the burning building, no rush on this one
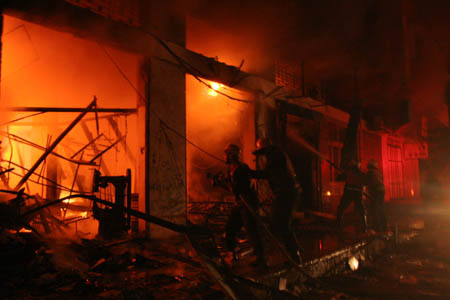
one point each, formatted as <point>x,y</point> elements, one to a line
<point>131,103</point>
<point>113,53</point>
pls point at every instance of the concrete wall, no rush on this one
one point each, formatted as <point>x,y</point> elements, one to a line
<point>166,113</point>
<point>167,153</point>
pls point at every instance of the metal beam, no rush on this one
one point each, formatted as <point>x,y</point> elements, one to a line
<point>54,144</point>
<point>72,109</point>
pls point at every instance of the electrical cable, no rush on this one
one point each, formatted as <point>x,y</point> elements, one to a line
<point>193,71</point>
<point>22,118</point>
<point>156,114</point>
<point>43,177</point>
<point>29,143</point>
<point>11,153</point>
<point>58,186</point>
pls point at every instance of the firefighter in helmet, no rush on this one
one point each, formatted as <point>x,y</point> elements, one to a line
<point>281,177</point>
<point>376,190</point>
<point>355,179</point>
<point>243,214</point>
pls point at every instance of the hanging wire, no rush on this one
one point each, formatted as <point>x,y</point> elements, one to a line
<point>11,152</point>
<point>36,57</point>
<point>126,135</point>
<point>21,162</point>
<point>29,143</point>
<point>193,71</point>
<point>174,157</point>
<point>22,118</point>
<point>44,164</point>
<point>156,114</point>
<point>73,184</point>
<point>61,187</point>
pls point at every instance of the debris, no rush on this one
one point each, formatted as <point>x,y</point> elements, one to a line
<point>98,263</point>
<point>54,144</point>
<point>408,279</point>
<point>282,284</point>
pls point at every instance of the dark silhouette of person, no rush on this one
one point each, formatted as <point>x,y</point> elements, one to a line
<point>355,179</point>
<point>376,190</point>
<point>281,178</point>
<point>243,214</point>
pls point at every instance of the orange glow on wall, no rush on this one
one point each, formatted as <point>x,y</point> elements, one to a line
<point>212,92</point>
<point>46,68</point>
<point>212,125</point>
<point>215,86</point>
<point>42,67</point>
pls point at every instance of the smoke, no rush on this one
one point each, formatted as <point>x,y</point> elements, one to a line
<point>212,122</point>
<point>325,34</point>
<point>431,54</point>
<point>42,67</point>
<point>257,32</point>
<point>335,39</point>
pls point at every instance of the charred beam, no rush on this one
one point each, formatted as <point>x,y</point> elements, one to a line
<point>72,109</point>
<point>104,151</point>
<point>85,146</point>
<point>54,144</point>
<point>31,144</point>
<point>149,218</point>
<point>119,135</point>
<point>91,138</point>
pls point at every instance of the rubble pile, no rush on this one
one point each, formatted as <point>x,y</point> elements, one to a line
<point>40,268</point>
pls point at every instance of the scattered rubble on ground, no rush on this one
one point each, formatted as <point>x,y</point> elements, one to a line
<point>53,269</point>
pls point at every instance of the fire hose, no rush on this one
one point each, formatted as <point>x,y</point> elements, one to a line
<point>222,275</point>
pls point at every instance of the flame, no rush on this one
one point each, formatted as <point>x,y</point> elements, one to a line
<point>215,86</point>
<point>412,192</point>
<point>353,263</point>
<point>212,92</point>
<point>74,214</point>
<point>22,58</point>
<point>212,125</point>
<point>328,193</point>
<point>24,230</point>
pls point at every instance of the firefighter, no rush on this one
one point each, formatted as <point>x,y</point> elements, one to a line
<point>353,191</point>
<point>247,204</point>
<point>375,188</point>
<point>282,180</point>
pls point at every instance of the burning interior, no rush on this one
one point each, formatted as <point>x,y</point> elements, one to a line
<point>48,78</point>
<point>214,120</point>
<point>111,136</point>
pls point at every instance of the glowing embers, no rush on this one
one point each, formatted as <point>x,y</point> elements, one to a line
<point>353,263</point>
<point>73,214</point>
<point>73,208</point>
<point>214,87</point>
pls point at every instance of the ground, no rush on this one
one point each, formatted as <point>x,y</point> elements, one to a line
<point>417,269</point>
<point>133,268</point>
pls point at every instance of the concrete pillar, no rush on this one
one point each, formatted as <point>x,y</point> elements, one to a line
<point>164,116</point>
<point>1,36</point>
<point>166,161</point>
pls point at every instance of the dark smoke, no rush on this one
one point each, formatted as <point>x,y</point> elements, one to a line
<point>336,39</point>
